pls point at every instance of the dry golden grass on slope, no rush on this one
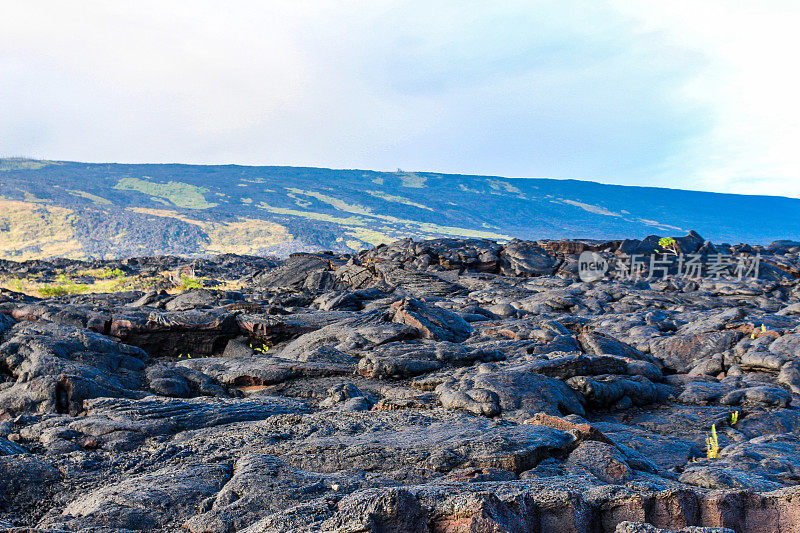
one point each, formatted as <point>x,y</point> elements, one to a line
<point>244,236</point>
<point>30,230</point>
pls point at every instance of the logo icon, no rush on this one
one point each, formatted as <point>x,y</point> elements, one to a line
<point>591,266</point>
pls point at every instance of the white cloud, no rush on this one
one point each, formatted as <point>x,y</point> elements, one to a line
<point>749,85</point>
<point>675,94</point>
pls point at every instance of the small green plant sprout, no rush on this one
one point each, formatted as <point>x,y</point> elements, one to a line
<point>712,444</point>
<point>763,331</point>
<point>668,244</point>
<point>180,356</point>
<point>262,348</point>
<point>734,418</point>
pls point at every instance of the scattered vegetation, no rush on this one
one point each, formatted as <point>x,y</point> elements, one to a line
<point>89,196</point>
<point>311,215</point>
<point>62,287</point>
<point>712,444</point>
<point>190,282</point>
<point>262,348</point>
<point>245,236</point>
<point>763,331</point>
<point>102,273</point>
<point>412,180</point>
<point>336,203</point>
<point>668,244</point>
<point>21,163</point>
<point>100,280</point>
<point>31,230</point>
<point>503,186</point>
<point>397,199</point>
<point>179,193</point>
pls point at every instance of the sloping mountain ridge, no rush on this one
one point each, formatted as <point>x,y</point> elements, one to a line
<point>91,210</point>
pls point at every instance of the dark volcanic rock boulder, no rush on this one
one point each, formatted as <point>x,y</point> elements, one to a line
<point>523,394</point>
<point>151,501</point>
<point>5,325</point>
<point>763,396</point>
<point>156,415</point>
<point>432,322</point>
<point>521,258</point>
<point>415,283</point>
<point>261,485</point>
<point>25,480</point>
<point>63,313</point>
<point>601,344</point>
<point>311,271</point>
<point>391,510</point>
<point>398,359</point>
<point>272,329</point>
<point>689,244</point>
<point>601,460</point>
<point>571,365</point>
<point>517,395</point>
<point>57,367</point>
<point>618,391</point>
<point>263,370</point>
<point>680,351</point>
<point>475,255</point>
<point>192,299</point>
<point>348,339</point>
<point>196,332</point>
<point>469,254</point>
<point>787,346</point>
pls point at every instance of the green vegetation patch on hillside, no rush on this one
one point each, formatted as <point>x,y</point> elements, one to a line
<point>336,203</point>
<point>349,221</point>
<point>411,180</point>
<point>179,193</point>
<point>397,199</point>
<point>596,209</point>
<point>503,186</point>
<point>462,232</point>
<point>19,163</point>
<point>89,196</point>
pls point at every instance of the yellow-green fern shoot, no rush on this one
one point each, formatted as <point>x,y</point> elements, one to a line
<point>763,330</point>
<point>262,349</point>
<point>712,444</point>
<point>734,418</point>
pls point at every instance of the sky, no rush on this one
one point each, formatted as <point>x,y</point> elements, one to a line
<point>701,94</point>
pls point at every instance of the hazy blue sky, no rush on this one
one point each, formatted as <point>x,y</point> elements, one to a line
<point>699,94</point>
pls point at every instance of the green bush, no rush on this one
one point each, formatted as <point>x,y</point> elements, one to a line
<point>109,272</point>
<point>62,289</point>
<point>188,282</point>
<point>668,244</point>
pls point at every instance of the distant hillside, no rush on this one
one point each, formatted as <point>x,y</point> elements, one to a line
<point>80,210</point>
